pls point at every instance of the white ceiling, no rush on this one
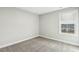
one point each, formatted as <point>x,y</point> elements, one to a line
<point>40,10</point>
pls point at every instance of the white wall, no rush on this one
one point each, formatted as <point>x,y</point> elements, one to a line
<point>49,28</point>
<point>16,25</point>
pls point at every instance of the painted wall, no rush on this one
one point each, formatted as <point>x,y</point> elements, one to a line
<point>16,25</point>
<point>49,27</point>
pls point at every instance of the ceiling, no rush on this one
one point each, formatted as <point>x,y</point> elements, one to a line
<point>40,10</point>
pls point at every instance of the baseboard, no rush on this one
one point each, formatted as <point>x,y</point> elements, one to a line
<point>59,40</point>
<point>6,45</point>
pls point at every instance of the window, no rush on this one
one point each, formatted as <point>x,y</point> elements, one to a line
<point>67,28</point>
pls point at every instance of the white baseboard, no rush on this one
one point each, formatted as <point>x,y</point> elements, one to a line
<point>6,45</point>
<point>76,44</point>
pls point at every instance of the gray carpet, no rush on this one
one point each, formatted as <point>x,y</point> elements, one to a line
<point>40,44</point>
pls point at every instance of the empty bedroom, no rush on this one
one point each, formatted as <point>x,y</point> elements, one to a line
<point>39,29</point>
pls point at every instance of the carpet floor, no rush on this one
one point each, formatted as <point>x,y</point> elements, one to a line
<point>40,44</point>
